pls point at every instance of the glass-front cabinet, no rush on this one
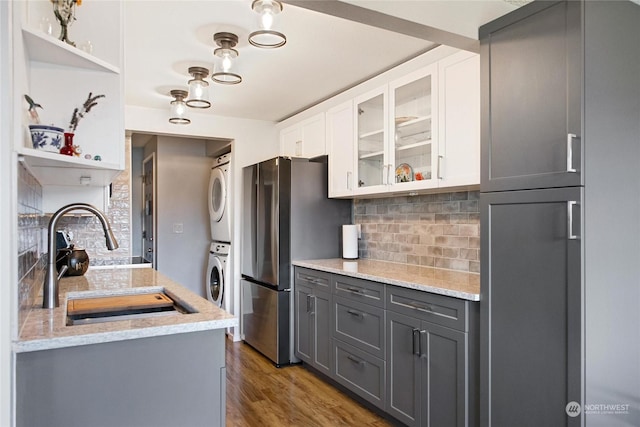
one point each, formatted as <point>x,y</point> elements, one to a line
<point>371,142</point>
<point>414,138</point>
<point>396,136</point>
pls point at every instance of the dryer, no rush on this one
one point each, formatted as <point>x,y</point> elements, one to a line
<point>217,272</point>
<point>219,199</point>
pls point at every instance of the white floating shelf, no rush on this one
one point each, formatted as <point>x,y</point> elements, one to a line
<point>413,121</point>
<point>414,145</point>
<point>57,169</point>
<point>45,48</point>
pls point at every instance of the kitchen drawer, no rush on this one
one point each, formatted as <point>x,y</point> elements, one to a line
<point>441,310</point>
<point>359,290</point>
<point>314,278</point>
<point>360,325</point>
<point>360,372</point>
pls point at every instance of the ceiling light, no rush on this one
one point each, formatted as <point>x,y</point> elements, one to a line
<point>198,88</point>
<point>265,37</point>
<point>178,108</point>
<point>227,54</point>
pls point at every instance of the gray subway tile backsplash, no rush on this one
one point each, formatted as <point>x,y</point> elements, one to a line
<point>437,230</point>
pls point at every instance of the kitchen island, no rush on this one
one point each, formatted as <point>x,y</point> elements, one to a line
<point>152,371</point>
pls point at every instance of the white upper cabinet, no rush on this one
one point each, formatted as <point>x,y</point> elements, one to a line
<point>459,120</point>
<point>372,156</point>
<point>340,147</point>
<point>304,139</point>
<point>60,77</point>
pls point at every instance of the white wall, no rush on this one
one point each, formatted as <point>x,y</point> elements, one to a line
<point>253,141</point>
<point>7,218</point>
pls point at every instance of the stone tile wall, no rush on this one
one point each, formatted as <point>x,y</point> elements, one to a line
<point>87,230</point>
<point>31,245</point>
<point>435,230</point>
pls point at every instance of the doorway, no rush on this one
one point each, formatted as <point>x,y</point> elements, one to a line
<point>149,209</point>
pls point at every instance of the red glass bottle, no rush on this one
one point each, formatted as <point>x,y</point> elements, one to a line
<point>67,149</point>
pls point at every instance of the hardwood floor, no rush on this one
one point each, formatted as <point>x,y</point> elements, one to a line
<point>259,394</point>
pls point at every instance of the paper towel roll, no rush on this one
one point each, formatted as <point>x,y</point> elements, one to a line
<point>350,241</point>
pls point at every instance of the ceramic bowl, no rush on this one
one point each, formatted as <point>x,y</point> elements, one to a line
<point>47,138</point>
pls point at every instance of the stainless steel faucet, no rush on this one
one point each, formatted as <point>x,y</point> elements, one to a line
<point>51,295</point>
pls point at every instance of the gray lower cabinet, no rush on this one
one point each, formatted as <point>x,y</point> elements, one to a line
<point>410,353</point>
<point>531,313</point>
<point>432,372</point>
<point>312,319</point>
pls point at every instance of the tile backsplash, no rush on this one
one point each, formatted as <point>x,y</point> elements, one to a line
<point>31,231</point>
<point>435,230</point>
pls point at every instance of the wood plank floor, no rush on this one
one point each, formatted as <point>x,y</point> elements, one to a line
<point>259,394</point>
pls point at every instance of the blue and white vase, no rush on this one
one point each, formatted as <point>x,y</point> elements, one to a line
<point>46,138</point>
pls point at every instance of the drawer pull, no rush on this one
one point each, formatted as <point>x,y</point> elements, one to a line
<point>356,360</point>
<point>423,307</point>
<point>355,313</point>
<point>416,341</point>
<point>358,291</point>
<point>311,279</point>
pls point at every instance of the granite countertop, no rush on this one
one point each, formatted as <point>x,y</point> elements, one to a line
<point>46,329</point>
<point>452,283</point>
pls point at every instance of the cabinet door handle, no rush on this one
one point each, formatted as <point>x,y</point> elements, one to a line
<point>389,181</point>
<point>355,313</point>
<point>308,303</point>
<point>349,181</point>
<point>418,306</point>
<point>570,138</point>
<point>356,360</point>
<point>570,206</point>
<point>440,167</point>
<point>358,291</point>
<point>385,175</point>
<point>416,341</point>
<point>424,343</point>
<point>299,148</point>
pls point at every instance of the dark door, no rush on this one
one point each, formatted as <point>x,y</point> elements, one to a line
<point>321,316</point>
<point>531,98</point>
<point>531,307</point>
<point>403,368</point>
<point>302,321</point>
<point>149,220</point>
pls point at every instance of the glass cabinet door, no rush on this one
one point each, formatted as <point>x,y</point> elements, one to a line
<point>414,138</point>
<point>371,128</point>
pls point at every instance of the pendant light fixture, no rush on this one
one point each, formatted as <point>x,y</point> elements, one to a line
<point>178,108</point>
<point>265,37</point>
<point>198,88</point>
<point>226,53</point>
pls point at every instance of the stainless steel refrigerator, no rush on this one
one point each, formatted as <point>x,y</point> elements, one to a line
<point>286,216</point>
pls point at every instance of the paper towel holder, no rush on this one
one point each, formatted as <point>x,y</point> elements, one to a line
<point>350,235</point>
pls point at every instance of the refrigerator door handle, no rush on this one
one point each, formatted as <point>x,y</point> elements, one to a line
<point>254,237</point>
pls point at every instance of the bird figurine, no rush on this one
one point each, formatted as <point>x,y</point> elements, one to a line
<point>32,109</point>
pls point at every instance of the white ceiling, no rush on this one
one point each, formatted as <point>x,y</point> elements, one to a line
<point>323,55</point>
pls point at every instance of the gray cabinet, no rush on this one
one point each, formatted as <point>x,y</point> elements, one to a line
<point>432,375</point>
<point>531,98</point>
<point>532,306</point>
<point>358,318</point>
<point>312,318</point>
<point>559,256</point>
<point>410,353</point>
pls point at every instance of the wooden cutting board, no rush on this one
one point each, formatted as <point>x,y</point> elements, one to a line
<point>117,303</point>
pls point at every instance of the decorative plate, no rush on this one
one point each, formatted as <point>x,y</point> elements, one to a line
<point>404,173</point>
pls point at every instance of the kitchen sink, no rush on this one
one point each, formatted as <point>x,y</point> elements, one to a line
<point>111,308</point>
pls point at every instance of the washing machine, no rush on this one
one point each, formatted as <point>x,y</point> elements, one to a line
<point>219,199</point>
<point>217,272</point>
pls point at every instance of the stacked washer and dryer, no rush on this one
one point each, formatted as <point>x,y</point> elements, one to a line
<point>217,277</point>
